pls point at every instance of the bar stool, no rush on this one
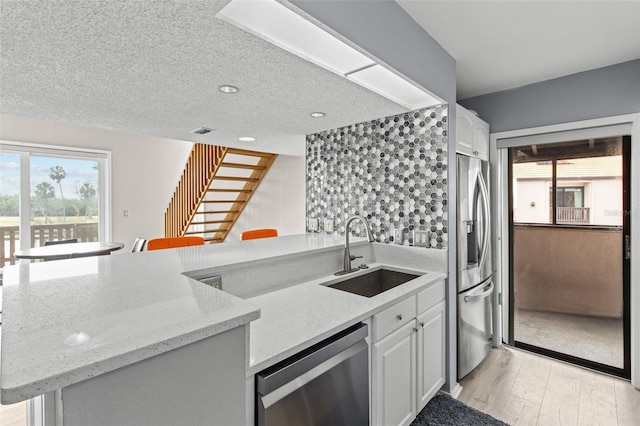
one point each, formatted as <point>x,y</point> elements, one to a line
<point>259,233</point>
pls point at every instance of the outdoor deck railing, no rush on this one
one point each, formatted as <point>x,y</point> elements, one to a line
<point>571,214</point>
<point>10,235</point>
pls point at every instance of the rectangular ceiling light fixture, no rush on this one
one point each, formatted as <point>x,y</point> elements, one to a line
<point>278,25</point>
<point>384,82</point>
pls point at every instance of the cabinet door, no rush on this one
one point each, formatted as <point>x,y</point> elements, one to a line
<point>481,140</point>
<point>394,378</point>
<point>464,131</point>
<point>431,353</point>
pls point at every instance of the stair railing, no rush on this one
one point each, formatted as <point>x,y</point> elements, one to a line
<point>201,166</point>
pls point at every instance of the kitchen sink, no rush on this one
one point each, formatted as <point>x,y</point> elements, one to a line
<point>373,283</point>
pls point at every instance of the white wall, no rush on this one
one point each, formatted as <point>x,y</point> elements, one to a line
<point>279,201</point>
<point>603,196</point>
<point>606,208</point>
<point>146,169</point>
<point>532,192</point>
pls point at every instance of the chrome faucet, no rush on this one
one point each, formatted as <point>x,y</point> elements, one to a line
<point>347,253</point>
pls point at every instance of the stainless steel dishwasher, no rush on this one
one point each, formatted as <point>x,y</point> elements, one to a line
<point>327,384</point>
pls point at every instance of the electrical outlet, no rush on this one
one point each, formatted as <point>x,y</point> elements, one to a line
<point>421,238</point>
<point>328,225</point>
<point>214,281</point>
<point>398,236</point>
<point>312,224</point>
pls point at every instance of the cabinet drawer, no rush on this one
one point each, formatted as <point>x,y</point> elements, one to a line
<point>394,317</point>
<point>430,296</point>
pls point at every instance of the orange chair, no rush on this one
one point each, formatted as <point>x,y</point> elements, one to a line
<point>172,242</point>
<point>259,233</point>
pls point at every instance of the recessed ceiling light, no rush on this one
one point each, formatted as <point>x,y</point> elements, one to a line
<point>247,139</point>
<point>317,114</point>
<point>225,88</point>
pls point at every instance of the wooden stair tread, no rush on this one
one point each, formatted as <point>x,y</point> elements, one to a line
<point>210,222</point>
<point>243,166</point>
<point>236,178</point>
<point>227,190</point>
<point>217,212</point>
<point>207,231</point>
<point>222,201</point>
<point>250,153</point>
<point>206,162</point>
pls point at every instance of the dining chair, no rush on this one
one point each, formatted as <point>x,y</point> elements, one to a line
<point>96,253</point>
<point>138,245</point>
<point>173,242</point>
<point>259,233</point>
<point>55,242</point>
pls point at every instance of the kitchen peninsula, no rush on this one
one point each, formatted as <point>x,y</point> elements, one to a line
<point>136,338</point>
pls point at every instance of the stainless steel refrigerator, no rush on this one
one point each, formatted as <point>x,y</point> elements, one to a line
<point>475,269</point>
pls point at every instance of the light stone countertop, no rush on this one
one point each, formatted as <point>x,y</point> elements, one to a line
<point>295,318</point>
<point>69,320</point>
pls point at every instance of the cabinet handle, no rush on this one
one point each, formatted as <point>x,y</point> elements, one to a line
<point>415,330</point>
<point>422,324</point>
<point>476,152</point>
<point>399,316</point>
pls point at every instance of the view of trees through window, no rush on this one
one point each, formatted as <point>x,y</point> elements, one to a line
<point>62,190</point>
<point>64,197</point>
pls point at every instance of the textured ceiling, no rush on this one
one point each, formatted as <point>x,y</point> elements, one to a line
<point>503,44</point>
<point>153,67</point>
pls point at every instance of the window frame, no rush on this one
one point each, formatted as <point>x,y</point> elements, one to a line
<point>25,150</point>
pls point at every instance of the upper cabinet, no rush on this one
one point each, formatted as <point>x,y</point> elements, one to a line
<point>472,134</point>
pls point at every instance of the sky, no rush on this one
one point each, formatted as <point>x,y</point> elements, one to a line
<point>78,172</point>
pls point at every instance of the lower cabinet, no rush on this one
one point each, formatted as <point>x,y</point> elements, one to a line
<point>431,353</point>
<point>395,378</point>
<point>408,364</point>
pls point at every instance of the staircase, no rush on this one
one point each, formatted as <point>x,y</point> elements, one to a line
<point>216,185</point>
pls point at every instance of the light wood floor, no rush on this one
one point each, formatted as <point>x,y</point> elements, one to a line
<point>520,388</point>
<point>14,414</point>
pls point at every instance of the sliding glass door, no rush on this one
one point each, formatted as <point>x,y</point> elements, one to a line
<point>569,281</point>
<point>50,195</point>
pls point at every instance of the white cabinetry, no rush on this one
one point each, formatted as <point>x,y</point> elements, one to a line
<point>431,354</point>
<point>472,134</point>
<point>395,377</point>
<point>408,356</point>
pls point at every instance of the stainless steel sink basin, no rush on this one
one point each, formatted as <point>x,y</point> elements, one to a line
<point>373,283</point>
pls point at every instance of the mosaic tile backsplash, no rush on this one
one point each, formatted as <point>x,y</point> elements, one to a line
<point>393,171</point>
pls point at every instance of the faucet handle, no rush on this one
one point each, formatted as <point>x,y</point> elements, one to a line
<point>352,257</point>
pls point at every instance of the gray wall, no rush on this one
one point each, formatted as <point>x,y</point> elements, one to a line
<point>602,92</point>
<point>386,31</point>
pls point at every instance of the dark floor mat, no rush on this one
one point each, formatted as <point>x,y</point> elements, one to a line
<point>443,410</point>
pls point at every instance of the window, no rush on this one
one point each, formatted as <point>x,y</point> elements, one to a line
<point>570,206</point>
<point>50,194</point>
<point>585,177</point>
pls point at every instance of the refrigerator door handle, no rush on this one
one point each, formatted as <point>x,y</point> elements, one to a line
<point>486,293</point>
<point>487,220</point>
